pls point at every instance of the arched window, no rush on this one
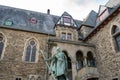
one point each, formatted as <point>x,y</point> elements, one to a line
<point>1,44</point>
<point>115,29</point>
<point>90,60</point>
<point>116,36</point>
<point>68,60</point>
<point>31,51</point>
<point>79,59</point>
<point>69,71</point>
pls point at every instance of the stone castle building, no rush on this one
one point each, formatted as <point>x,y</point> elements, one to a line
<point>92,46</point>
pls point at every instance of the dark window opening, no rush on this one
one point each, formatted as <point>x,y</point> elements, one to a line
<point>68,60</point>
<point>93,79</point>
<point>115,29</point>
<point>115,79</point>
<point>79,59</point>
<point>117,38</point>
<point>18,79</point>
<point>90,60</point>
<point>1,45</point>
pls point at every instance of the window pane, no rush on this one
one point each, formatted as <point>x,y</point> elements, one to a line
<point>67,20</point>
<point>33,54</point>
<point>1,48</point>
<point>63,36</point>
<point>115,29</point>
<point>69,36</point>
<point>118,42</point>
<point>18,79</point>
<point>27,57</point>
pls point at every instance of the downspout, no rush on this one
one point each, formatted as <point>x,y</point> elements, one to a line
<point>47,51</point>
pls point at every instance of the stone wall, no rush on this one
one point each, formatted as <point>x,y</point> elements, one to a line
<point>108,60</point>
<point>73,31</point>
<point>85,30</point>
<point>12,64</point>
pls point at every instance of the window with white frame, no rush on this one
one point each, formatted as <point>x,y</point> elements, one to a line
<point>67,20</point>
<point>30,54</point>
<point>66,36</point>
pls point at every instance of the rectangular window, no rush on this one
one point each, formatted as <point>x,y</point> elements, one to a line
<point>67,20</point>
<point>63,36</point>
<point>115,79</point>
<point>69,36</point>
<point>18,79</point>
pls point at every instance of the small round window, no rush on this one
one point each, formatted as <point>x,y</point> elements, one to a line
<point>33,20</point>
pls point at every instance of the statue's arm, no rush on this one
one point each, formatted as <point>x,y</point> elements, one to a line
<point>49,59</point>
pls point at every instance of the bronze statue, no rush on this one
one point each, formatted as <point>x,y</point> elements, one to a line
<point>58,65</point>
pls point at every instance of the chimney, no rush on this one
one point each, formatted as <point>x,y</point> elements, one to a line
<point>48,11</point>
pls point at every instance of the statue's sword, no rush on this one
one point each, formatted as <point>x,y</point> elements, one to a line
<point>47,65</point>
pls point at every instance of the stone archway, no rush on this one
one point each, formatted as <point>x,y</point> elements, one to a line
<point>91,60</point>
<point>79,59</point>
<point>69,65</point>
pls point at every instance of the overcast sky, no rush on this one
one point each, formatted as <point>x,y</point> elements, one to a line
<point>79,9</point>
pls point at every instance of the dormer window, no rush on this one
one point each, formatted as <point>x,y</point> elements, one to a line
<point>33,20</point>
<point>66,19</point>
<point>8,23</point>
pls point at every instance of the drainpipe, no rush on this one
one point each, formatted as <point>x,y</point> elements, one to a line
<point>47,51</point>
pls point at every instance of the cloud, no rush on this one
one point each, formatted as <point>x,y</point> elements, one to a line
<point>79,9</point>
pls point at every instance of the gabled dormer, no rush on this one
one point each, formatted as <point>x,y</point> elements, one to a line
<point>66,28</point>
<point>102,13</point>
<point>66,20</point>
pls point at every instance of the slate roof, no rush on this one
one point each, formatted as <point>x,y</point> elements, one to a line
<point>91,19</point>
<point>112,3</point>
<point>21,20</point>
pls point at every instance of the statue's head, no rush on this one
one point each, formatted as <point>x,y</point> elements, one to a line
<point>58,49</point>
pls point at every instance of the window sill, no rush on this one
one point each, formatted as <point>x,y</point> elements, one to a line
<point>29,62</point>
